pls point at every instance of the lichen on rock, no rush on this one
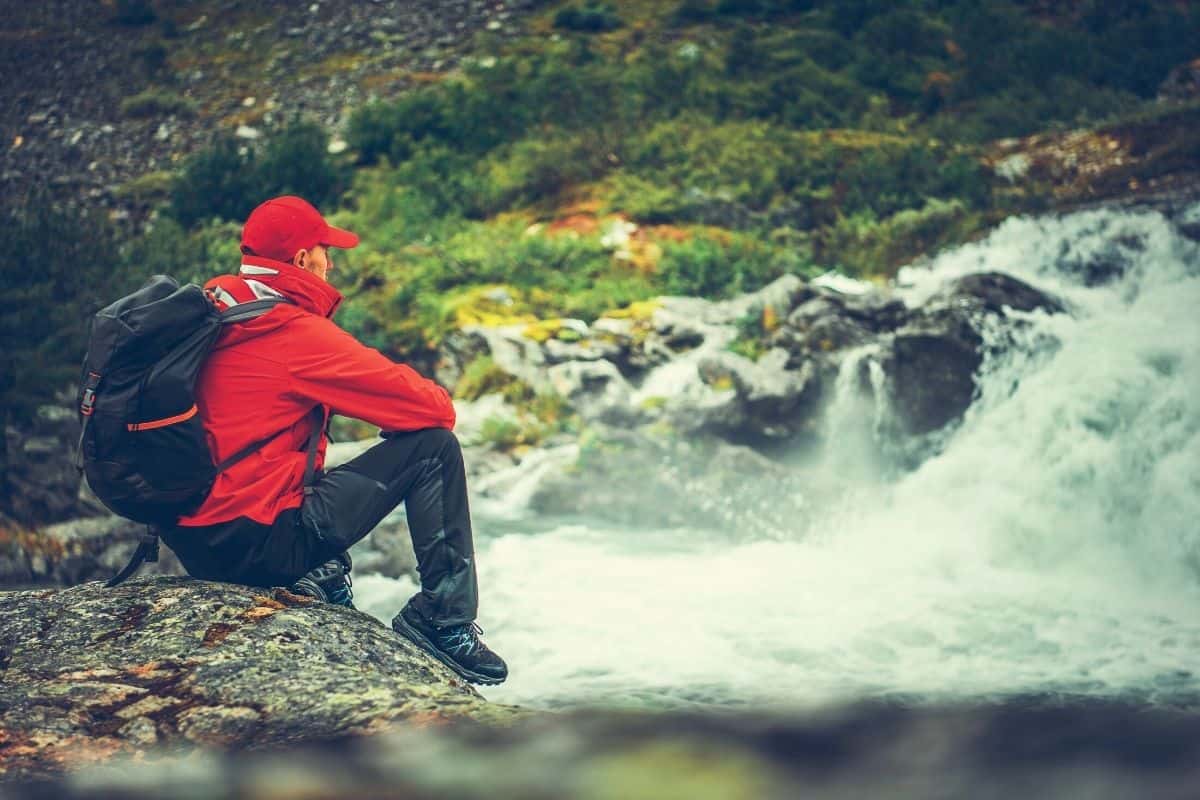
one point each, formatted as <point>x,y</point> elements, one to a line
<point>89,672</point>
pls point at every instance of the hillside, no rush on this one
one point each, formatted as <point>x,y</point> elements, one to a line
<point>536,160</point>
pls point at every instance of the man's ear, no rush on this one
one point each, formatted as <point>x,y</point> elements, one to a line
<point>300,259</point>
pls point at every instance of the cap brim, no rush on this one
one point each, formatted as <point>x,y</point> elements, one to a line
<point>336,237</point>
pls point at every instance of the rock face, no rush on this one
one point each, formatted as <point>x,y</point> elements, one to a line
<point>759,369</point>
<point>88,673</point>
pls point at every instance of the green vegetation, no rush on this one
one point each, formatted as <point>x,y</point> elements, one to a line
<point>536,417</point>
<point>736,141</point>
<point>593,17</point>
<point>230,177</point>
<point>48,307</point>
<point>154,102</point>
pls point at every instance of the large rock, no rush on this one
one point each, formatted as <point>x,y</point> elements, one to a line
<point>768,402</point>
<point>596,389</point>
<point>931,361</point>
<point>88,673</point>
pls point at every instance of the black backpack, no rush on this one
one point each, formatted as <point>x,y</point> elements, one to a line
<point>142,445</point>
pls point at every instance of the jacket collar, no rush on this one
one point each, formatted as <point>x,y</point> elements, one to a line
<point>307,290</point>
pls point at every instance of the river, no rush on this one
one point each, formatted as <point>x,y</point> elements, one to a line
<point>1050,547</point>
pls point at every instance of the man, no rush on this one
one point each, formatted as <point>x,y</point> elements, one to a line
<point>284,373</point>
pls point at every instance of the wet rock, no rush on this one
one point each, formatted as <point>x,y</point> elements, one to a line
<point>596,389</point>
<point>931,378</point>
<point>769,401</point>
<point>90,673</point>
<point>996,291</point>
<point>931,362</point>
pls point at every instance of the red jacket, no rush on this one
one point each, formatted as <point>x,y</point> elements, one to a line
<point>264,376</point>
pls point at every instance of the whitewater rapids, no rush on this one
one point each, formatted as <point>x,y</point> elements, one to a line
<point>1051,549</point>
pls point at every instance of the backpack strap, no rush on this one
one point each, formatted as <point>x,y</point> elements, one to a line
<point>249,310</point>
<point>310,463</point>
<point>147,549</point>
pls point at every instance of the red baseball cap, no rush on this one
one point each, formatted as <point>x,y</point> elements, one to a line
<point>283,226</point>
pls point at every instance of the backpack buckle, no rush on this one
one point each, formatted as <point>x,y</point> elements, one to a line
<point>89,394</point>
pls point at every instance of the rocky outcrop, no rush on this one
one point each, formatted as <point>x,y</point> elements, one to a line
<point>760,369</point>
<point>89,673</point>
<point>65,125</point>
<point>932,359</point>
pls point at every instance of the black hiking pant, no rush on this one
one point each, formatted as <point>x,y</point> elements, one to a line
<point>423,469</point>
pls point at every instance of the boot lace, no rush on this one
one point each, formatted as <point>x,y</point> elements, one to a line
<point>463,639</point>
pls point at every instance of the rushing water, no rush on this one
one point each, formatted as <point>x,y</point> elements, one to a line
<point>1052,547</point>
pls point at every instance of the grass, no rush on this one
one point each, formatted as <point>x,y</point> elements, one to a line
<point>156,102</point>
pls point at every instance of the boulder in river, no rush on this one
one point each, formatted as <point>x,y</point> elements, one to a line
<point>931,361</point>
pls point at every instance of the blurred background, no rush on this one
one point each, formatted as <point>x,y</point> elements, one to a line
<point>805,352</point>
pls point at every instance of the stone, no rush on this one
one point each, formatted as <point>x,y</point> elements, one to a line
<point>931,361</point>
<point>91,673</point>
<point>867,750</point>
<point>769,402</point>
<point>596,389</point>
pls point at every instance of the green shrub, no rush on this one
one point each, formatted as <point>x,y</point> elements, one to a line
<point>862,245</point>
<point>593,17</point>
<point>227,179</point>
<point>483,376</point>
<point>505,433</point>
<point>48,306</point>
<point>707,267</point>
<point>148,188</point>
<point>157,102</point>
<point>750,341</point>
<point>296,160</point>
<point>218,182</point>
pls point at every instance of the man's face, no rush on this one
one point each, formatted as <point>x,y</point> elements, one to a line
<point>318,260</point>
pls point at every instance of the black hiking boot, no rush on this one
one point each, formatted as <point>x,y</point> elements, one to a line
<point>457,646</point>
<point>329,583</point>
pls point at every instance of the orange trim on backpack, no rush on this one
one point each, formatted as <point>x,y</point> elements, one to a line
<point>162,423</point>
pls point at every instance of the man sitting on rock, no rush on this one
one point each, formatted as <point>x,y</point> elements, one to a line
<point>283,373</point>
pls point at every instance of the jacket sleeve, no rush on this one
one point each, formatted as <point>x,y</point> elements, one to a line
<point>330,366</point>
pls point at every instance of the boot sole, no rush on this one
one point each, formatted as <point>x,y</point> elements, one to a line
<point>416,637</point>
